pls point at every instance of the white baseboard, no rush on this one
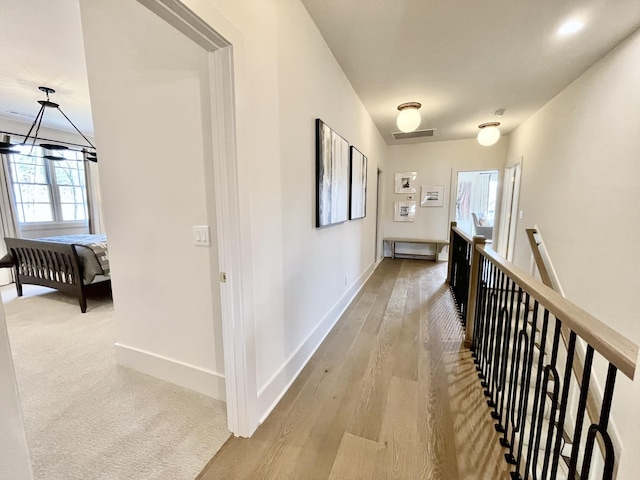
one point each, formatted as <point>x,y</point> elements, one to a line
<point>275,388</point>
<point>195,378</point>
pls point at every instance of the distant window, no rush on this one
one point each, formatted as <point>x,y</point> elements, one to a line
<point>48,190</point>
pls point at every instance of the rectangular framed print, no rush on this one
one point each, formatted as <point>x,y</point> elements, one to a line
<point>432,196</point>
<point>358,198</point>
<point>332,176</point>
<point>405,182</point>
<point>404,211</point>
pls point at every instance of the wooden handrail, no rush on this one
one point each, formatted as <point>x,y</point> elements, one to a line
<point>613,346</point>
<point>535,249</point>
<point>462,233</point>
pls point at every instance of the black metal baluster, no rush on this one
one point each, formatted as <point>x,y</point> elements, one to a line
<point>495,386</point>
<point>459,282</point>
<point>493,325</point>
<point>455,269</point>
<point>601,428</point>
<point>525,382</point>
<point>480,304</point>
<point>513,371</point>
<point>463,287</point>
<point>566,385</point>
<point>582,406</point>
<point>503,385</point>
<point>518,395</point>
<point>485,314</point>
<point>549,372</point>
<point>484,353</point>
<point>534,417</point>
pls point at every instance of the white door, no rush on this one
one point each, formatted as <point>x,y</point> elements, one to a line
<point>509,218</point>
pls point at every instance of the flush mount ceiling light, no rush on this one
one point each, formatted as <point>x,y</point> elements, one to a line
<point>409,117</point>
<point>570,27</point>
<point>88,151</point>
<point>488,134</point>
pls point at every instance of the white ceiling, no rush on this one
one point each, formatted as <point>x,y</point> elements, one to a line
<point>42,45</point>
<point>461,60</point>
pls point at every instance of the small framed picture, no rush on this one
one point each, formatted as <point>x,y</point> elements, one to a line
<point>432,196</point>
<point>404,211</point>
<point>405,182</point>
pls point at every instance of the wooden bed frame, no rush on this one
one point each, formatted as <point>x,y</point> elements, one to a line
<point>49,264</point>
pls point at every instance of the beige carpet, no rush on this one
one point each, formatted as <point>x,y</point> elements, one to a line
<point>87,418</point>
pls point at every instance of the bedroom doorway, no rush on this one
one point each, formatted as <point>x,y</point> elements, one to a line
<point>240,373</point>
<point>220,62</point>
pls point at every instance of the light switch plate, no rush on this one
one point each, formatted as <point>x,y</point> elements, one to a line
<point>201,236</point>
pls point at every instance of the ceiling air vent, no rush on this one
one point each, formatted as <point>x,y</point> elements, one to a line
<point>415,134</point>
<point>20,114</point>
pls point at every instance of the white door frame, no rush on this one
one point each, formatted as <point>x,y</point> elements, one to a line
<point>379,252</point>
<point>509,209</point>
<point>239,361</point>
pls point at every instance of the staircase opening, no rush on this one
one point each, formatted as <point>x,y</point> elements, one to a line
<point>540,360</point>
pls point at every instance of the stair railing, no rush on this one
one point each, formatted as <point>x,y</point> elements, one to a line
<point>514,324</point>
<point>594,397</point>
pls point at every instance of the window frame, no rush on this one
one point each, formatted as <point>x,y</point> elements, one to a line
<point>53,186</point>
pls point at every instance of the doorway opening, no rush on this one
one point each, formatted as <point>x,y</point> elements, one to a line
<point>476,202</point>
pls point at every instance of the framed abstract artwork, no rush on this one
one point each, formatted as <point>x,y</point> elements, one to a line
<point>405,182</point>
<point>432,196</point>
<point>404,211</point>
<point>358,197</point>
<point>332,176</point>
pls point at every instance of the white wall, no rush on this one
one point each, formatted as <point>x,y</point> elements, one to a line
<point>285,77</point>
<point>436,163</point>
<point>150,100</point>
<point>581,186</point>
<point>14,453</point>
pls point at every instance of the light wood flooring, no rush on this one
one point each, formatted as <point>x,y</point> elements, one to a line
<point>390,394</point>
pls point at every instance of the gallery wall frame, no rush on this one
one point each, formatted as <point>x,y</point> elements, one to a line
<point>405,182</point>
<point>332,176</point>
<point>432,196</point>
<point>358,174</point>
<point>404,211</point>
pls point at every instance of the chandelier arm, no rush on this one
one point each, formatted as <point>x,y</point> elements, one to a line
<point>37,121</point>
<point>73,125</point>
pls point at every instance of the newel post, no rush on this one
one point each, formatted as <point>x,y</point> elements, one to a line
<point>474,274</point>
<point>450,265</point>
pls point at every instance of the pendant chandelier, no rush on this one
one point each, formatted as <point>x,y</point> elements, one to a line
<point>32,138</point>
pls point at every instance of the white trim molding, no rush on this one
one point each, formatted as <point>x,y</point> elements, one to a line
<point>201,380</point>
<point>275,388</point>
